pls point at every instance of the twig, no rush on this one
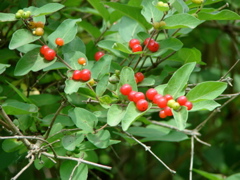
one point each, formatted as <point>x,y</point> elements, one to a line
<point>101,128</point>
<point>24,168</point>
<point>74,169</point>
<point>223,77</point>
<point>5,125</point>
<point>191,160</point>
<point>147,148</point>
<point>202,142</point>
<point>77,159</point>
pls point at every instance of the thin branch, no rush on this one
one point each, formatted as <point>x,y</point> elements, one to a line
<point>5,125</point>
<point>74,169</point>
<point>147,148</point>
<point>101,128</point>
<point>223,77</point>
<point>24,168</point>
<point>202,142</point>
<point>191,160</point>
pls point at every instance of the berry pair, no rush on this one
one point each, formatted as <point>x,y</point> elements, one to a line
<point>135,45</point>
<point>37,27</point>
<point>81,75</point>
<point>139,77</point>
<point>48,53</point>
<point>137,97</point>
<point>151,44</point>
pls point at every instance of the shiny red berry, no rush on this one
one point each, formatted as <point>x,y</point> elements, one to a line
<point>137,96</point>
<point>85,75</point>
<point>136,48</point>
<point>146,41</point>
<point>59,42</point>
<point>168,111</point>
<point>49,54</point>
<point>153,46</point>
<point>151,93</point>
<point>182,100</point>
<point>189,105</point>
<point>156,97</point>
<point>162,102</point>
<point>162,114</point>
<point>76,75</point>
<point>168,97</point>
<point>142,105</point>
<point>139,76</point>
<point>126,89</point>
<point>131,95</point>
<point>43,49</point>
<point>98,55</point>
<point>133,42</point>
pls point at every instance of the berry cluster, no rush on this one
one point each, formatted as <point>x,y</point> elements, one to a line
<point>135,45</point>
<point>22,14</point>
<point>151,44</point>
<point>48,53</point>
<point>81,75</point>
<point>139,77</point>
<point>98,55</point>
<point>37,27</point>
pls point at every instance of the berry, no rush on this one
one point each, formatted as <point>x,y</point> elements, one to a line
<point>137,96</point>
<point>76,75</point>
<point>146,41</point>
<point>126,89</point>
<point>38,31</point>
<point>159,25</point>
<point>85,75</point>
<point>162,6</point>
<point>133,42</point>
<point>156,97</point>
<point>189,105</point>
<point>39,24</point>
<point>198,2</point>
<point>182,100</point>
<point>18,15</point>
<point>43,49</point>
<point>162,114</point>
<point>153,46</point>
<point>31,25</point>
<point>91,82</point>
<point>139,76</point>
<point>131,95</point>
<point>49,54</point>
<point>168,111</point>
<point>20,11</point>
<point>151,93</point>
<point>162,102</point>
<point>98,55</point>
<point>176,106</point>
<point>171,103</point>
<point>168,97</point>
<point>59,42</point>
<point>142,105</point>
<point>136,48</point>
<point>82,61</point>
<point>26,14</point>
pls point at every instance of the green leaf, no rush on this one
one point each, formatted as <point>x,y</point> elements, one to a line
<point>109,45</point>
<point>171,43</point>
<point>121,47</point>
<point>43,162</point>
<point>233,177</point>
<point>131,115</point>
<point>10,145</point>
<point>4,17</point>
<point>181,21</point>
<point>87,92</point>
<point>72,57</point>
<point>83,119</point>
<point>130,11</point>
<point>67,30</point>
<point>23,96</point>
<point>3,67</point>
<point>22,37</point>
<point>72,86</point>
<point>222,15</point>
<point>70,142</point>
<point>172,136</point>
<point>101,67</point>
<point>150,12</point>
<point>31,61</point>
<point>205,105</point>
<point>16,107</point>
<point>209,176</point>
<point>100,8</point>
<point>66,169</point>
<point>147,82</point>
<point>206,90</point>
<point>180,6</point>
<point>100,139</point>
<point>115,115</point>
<point>181,117</point>
<point>75,45</point>
<point>47,9</point>
<point>94,31</point>
<point>102,85</point>
<point>179,80</point>
<point>105,101</point>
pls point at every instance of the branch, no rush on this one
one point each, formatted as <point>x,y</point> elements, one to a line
<point>74,169</point>
<point>147,148</point>
<point>191,160</point>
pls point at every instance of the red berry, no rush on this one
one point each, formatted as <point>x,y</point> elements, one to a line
<point>153,46</point>
<point>136,48</point>
<point>168,97</point>
<point>156,97</point>
<point>59,42</point>
<point>147,40</point>
<point>182,100</point>
<point>189,105</point>
<point>142,105</point>
<point>43,49</point>
<point>126,89</point>
<point>49,54</point>
<point>133,42</point>
<point>98,55</point>
<point>139,76</point>
<point>131,95</point>
<point>136,79</point>
<point>85,75</point>
<point>137,96</point>
<point>151,93</point>
<point>76,75</point>
<point>162,114</point>
<point>162,102</point>
<point>168,111</point>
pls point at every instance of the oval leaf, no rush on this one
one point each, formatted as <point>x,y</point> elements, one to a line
<point>115,115</point>
<point>181,117</point>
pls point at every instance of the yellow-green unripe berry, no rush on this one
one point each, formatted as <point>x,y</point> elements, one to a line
<point>171,103</point>
<point>20,11</point>
<point>159,25</point>
<point>18,15</point>
<point>162,6</point>
<point>199,2</point>
<point>176,106</point>
<point>26,14</point>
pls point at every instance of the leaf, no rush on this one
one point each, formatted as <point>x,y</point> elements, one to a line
<point>67,30</point>
<point>205,105</point>
<point>105,101</point>
<point>181,117</point>
<point>115,115</point>
<point>171,43</point>
<point>5,17</point>
<point>179,80</point>
<point>102,85</point>
<point>22,37</point>
<point>150,12</point>
<point>31,61</point>
<point>100,8</point>
<point>181,21</point>
<point>222,15</point>
<point>121,47</point>
<point>206,90</point>
<point>180,6</point>
<point>130,11</point>
<point>87,92</point>
<point>47,9</point>
<point>10,145</point>
<point>72,86</point>
<point>131,115</point>
<point>209,176</point>
<point>100,139</point>
<point>83,119</point>
<point>3,67</point>
<point>23,96</point>
<point>147,82</point>
<point>233,177</point>
<point>16,108</point>
<point>66,169</point>
<point>94,31</point>
<point>72,57</point>
<point>101,67</point>
<point>172,136</point>
<point>75,45</point>
<point>70,142</point>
